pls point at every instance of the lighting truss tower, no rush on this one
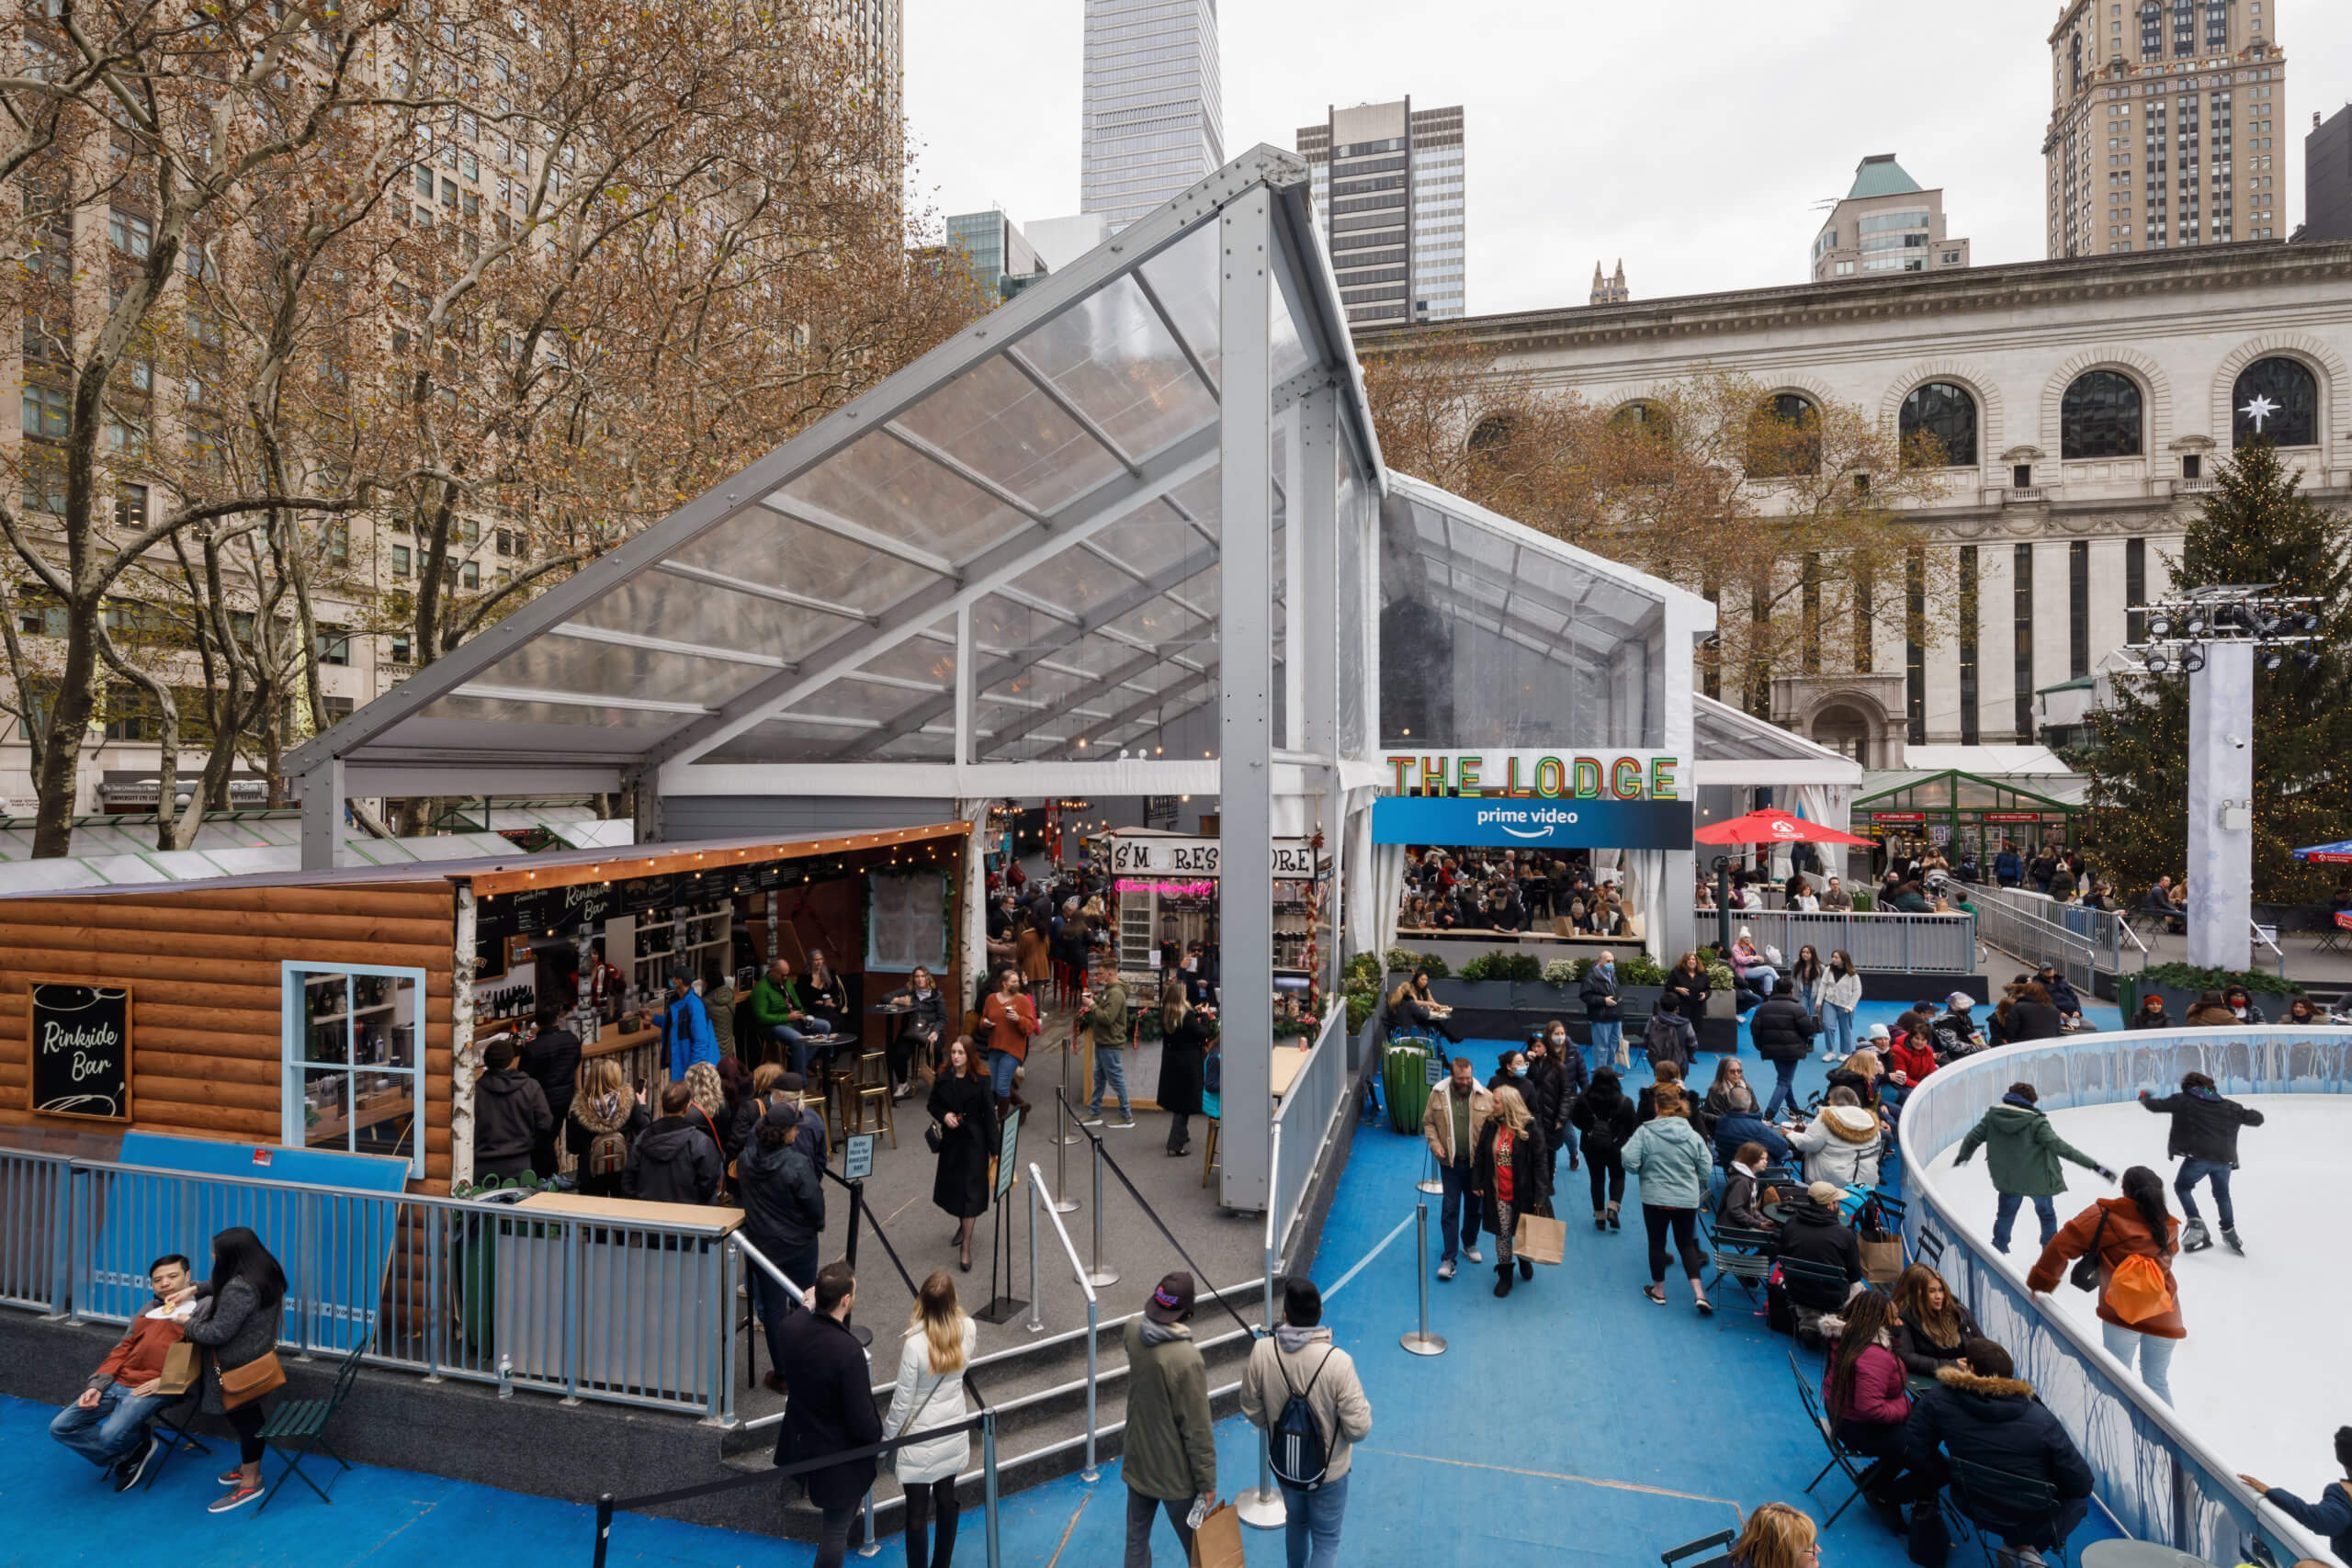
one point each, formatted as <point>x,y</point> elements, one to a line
<point>2219,636</point>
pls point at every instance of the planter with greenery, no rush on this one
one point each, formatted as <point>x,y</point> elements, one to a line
<point>2180,985</point>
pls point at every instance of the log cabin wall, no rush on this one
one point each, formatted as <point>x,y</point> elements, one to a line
<point>205,966</point>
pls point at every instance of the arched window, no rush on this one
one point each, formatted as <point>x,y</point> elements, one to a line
<point>2278,401</point>
<point>1641,414</point>
<point>2099,416</point>
<point>1785,437</point>
<point>1492,434</point>
<point>1946,412</point>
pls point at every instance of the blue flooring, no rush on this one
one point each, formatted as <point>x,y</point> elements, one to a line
<point>1572,1423</point>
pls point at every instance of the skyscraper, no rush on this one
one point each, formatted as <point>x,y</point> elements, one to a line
<point>2327,177</point>
<point>1154,114</point>
<point>1886,224</point>
<point>2187,97</point>
<point>1001,257</point>
<point>1388,191</point>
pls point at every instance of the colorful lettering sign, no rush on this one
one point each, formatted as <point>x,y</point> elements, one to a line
<point>1544,775</point>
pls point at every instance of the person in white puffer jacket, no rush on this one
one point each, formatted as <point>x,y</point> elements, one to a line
<point>1842,1144</point>
<point>940,1341</point>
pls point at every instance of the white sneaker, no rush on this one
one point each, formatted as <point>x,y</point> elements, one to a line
<point>1473,1254</point>
<point>1445,1270</point>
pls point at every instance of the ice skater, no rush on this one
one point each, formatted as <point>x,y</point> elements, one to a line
<point>2204,1138</point>
<point>2024,1150</point>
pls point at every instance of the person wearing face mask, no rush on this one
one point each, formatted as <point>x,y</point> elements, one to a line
<point>1554,1058</point>
<point>1603,1007</point>
<point>919,1032</point>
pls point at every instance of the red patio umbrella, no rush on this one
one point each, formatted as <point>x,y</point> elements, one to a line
<point>1772,827</point>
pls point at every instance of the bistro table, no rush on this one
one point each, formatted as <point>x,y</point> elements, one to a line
<point>2138,1554</point>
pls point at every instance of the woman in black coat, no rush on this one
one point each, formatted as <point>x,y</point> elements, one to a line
<point>919,1031</point>
<point>1605,1117</point>
<point>1530,1192</point>
<point>1185,1034</point>
<point>965,1108</point>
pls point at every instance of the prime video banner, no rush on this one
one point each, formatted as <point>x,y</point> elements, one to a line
<point>1519,822</point>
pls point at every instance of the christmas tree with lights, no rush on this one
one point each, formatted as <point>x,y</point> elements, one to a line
<point>2256,526</point>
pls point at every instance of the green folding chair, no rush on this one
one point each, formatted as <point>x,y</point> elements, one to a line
<point>298,1425</point>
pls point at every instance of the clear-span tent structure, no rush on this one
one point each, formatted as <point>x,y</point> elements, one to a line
<point>1128,535</point>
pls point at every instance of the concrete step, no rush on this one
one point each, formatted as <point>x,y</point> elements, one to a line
<point>1039,1394</point>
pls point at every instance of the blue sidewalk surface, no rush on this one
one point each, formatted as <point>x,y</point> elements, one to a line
<point>1573,1423</point>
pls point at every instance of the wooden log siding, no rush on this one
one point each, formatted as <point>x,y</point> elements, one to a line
<point>208,1054</point>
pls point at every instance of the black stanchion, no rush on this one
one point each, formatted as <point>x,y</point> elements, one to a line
<point>603,1526</point>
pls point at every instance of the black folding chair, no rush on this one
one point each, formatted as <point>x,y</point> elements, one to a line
<point>1840,1456</point>
<point>170,1425</point>
<point>1692,1547</point>
<point>1742,1256</point>
<point>1825,1280</point>
<point>1930,1251</point>
<point>1981,1488</point>
<point>299,1425</point>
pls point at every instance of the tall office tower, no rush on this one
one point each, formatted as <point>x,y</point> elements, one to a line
<point>1886,224</point>
<point>2163,125</point>
<point>1004,261</point>
<point>1609,291</point>
<point>1154,113</point>
<point>1388,189</point>
<point>2327,178</point>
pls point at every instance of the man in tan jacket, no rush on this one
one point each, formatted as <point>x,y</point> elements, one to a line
<point>1457,1109</point>
<point>1301,1360</point>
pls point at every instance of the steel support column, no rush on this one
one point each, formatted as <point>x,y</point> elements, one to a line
<point>323,791</point>
<point>1245,246</point>
<point>2220,801</point>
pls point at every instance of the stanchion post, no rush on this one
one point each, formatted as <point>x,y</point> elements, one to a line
<point>1261,1506</point>
<point>1063,1203</point>
<point>603,1526</point>
<point>1421,1342</point>
<point>1101,1276</point>
<point>1091,1475</point>
<point>1036,1307</point>
<point>1064,1135</point>
<point>872,1547</point>
<point>1430,1183</point>
<point>987,1479</point>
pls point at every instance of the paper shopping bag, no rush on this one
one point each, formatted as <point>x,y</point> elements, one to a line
<point>1540,1238</point>
<point>1883,1260</point>
<point>182,1366</point>
<point>1217,1544</point>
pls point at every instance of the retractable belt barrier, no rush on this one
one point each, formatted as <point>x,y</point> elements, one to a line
<point>1150,1213</point>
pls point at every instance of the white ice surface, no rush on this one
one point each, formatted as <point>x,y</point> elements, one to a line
<point>2265,1377</point>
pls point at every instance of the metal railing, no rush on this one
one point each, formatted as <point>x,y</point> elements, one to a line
<point>1306,1119</point>
<point>1093,1312</point>
<point>2155,1475</point>
<point>621,1311</point>
<point>2079,942</point>
<point>1919,944</point>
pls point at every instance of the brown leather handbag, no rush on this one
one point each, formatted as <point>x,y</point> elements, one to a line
<point>242,1385</point>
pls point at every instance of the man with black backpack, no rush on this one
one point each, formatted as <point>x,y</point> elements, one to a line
<point>1304,1392</point>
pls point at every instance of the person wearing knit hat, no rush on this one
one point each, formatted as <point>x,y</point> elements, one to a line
<point>1170,1459</point>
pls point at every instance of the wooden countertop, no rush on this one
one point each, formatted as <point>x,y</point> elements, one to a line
<point>631,1210</point>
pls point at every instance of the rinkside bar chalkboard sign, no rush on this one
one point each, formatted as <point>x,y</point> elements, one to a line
<point>80,1037</point>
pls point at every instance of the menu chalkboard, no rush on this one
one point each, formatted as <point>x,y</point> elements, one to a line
<point>79,1036</point>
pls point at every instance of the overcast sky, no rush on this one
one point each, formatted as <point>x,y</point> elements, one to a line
<point>1693,138</point>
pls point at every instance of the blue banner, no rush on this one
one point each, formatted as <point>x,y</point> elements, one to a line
<point>1532,822</point>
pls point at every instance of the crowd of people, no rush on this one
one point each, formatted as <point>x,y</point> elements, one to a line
<point>1512,890</point>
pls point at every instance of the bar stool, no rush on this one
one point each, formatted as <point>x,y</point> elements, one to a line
<point>1213,1107</point>
<point>878,1097</point>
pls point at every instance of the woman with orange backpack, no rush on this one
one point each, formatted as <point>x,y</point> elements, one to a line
<point>2127,1245</point>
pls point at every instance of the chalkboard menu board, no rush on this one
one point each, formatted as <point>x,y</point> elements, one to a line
<point>79,1036</point>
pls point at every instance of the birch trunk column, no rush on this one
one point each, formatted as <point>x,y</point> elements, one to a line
<point>2221,798</point>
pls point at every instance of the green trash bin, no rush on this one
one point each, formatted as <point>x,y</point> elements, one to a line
<point>1404,1084</point>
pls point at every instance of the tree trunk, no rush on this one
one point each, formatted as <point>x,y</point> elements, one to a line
<point>60,776</point>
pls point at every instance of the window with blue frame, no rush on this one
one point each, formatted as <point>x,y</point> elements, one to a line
<point>353,1042</point>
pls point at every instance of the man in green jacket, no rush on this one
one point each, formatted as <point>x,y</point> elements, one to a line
<point>1170,1461</point>
<point>1105,1012</point>
<point>2024,1150</point>
<point>776,1010</point>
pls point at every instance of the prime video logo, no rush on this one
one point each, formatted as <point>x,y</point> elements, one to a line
<point>1526,821</point>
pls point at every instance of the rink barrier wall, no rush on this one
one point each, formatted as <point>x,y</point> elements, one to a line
<point>2157,1479</point>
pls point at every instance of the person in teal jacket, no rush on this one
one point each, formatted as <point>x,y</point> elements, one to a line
<point>1674,1164</point>
<point>685,1029</point>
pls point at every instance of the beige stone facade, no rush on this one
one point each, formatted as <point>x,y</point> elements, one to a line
<point>2164,126</point>
<point>2093,396</point>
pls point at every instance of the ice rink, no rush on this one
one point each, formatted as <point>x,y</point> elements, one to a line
<point>2265,1377</point>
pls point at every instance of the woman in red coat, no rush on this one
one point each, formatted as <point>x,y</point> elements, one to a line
<point>2135,1319</point>
<point>1862,1393</point>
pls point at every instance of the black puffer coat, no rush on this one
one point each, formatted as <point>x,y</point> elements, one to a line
<point>2204,1126</point>
<point>1782,1030</point>
<point>1604,1116</point>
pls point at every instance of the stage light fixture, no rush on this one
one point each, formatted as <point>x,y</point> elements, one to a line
<point>2160,625</point>
<point>2192,661</point>
<point>2195,624</point>
<point>2306,659</point>
<point>2272,658</point>
<point>2158,662</point>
